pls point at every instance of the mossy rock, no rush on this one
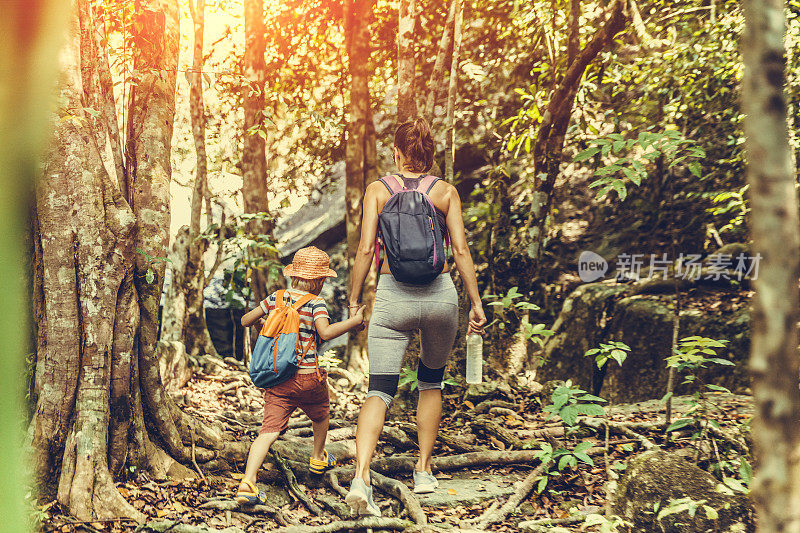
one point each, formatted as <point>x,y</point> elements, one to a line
<point>655,480</point>
<point>601,312</point>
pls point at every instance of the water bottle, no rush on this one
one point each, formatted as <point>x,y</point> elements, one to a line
<point>474,358</point>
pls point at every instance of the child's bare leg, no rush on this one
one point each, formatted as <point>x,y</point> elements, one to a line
<point>258,452</point>
<point>320,434</point>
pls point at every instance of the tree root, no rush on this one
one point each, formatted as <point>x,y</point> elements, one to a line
<point>485,405</point>
<point>398,438</point>
<point>405,463</point>
<point>619,428</point>
<point>523,489</point>
<point>171,526</point>
<point>233,505</point>
<point>507,437</point>
<point>293,487</point>
<point>459,444</point>
<point>400,491</point>
<point>351,525</point>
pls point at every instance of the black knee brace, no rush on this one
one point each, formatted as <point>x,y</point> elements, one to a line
<point>385,383</point>
<point>429,375</point>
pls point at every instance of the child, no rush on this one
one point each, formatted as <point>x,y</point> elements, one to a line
<point>308,389</point>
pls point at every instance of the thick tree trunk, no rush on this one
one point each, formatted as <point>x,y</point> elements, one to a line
<point>254,160</point>
<point>774,225</point>
<point>406,99</point>
<point>361,150</point>
<point>450,141</point>
<point>86,254</point>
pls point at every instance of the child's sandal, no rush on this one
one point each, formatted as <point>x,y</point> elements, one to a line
<point>318,466</point>
<point>251,497</point>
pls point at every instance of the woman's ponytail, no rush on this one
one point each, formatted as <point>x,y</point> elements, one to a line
<point>414,140</point>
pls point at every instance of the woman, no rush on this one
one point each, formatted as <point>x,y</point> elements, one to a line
<point>401,308</point>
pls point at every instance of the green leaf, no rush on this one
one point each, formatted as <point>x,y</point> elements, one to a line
<point>569,414</point>
<point>680,423</point>
<point>694,168</point>
<point>586,154</point>
<point>584,458</point>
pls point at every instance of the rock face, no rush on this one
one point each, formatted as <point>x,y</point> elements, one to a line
<point>599,312</point>
<point>654,479</point>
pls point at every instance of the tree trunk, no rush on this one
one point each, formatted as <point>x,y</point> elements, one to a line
<point>774,225</point>
<point>549,144</point>
<point>450,141</point>
<point>406,99</point>
<point>30,33</point>
<point>195,332</point>
<point>87,319</point>
<point>436,83</point>
<point>254,161</point>
<point>361,151</point>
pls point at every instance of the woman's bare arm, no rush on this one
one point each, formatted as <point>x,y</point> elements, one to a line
<point>366,246</point>
<point>463,260</point>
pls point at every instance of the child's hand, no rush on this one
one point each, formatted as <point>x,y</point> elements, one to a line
<point>359,315</point>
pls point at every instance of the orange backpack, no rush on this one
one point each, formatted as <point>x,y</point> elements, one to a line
<point>277,353</point>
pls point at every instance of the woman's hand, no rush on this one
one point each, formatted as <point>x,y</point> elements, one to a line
<point>477,319</point>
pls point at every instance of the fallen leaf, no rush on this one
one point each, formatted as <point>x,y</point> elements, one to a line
<point>444,476</point>
<point>161,513</point>
<point>237,475</point>
<point>469,404</point>
<point>178,507</point>
<point>452,492</point>
<point>125,492</point>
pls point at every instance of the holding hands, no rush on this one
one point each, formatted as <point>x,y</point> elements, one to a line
<point>357,314</point>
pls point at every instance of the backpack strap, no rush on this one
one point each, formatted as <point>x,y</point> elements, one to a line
<point>426,183</point>
<point>280,299</point>
<point>395,185</point>
<point>303,300</point>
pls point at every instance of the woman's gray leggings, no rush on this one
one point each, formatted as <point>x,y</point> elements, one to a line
<point>401,309</point>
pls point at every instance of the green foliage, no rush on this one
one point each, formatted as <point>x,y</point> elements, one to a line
<point>629,159</point>
<point>618,351</point>
<point>249,250</point>
<point>329,360</point>
<point>150,275</point>
<point>691,355</point>
<point>569,402</point>
<point>507,309</point>
<point>689,506</point>
<point>561,459</point>
<point>611,524</point>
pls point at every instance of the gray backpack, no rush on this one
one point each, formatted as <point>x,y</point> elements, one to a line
<point>413,236</point>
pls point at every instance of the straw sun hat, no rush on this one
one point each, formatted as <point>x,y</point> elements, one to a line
<point>309,263</point>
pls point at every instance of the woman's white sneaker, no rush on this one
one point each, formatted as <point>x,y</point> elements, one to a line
<point>360,499</point>
<point>424,482</point>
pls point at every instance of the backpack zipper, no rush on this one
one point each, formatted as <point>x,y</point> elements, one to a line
<point>433,235</point>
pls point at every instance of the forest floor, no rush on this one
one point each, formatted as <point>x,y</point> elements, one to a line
<point>495,489</point>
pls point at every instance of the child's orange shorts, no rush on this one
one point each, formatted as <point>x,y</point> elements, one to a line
<point>305,391</point>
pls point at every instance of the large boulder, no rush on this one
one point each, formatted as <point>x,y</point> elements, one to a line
<point>599,312</point>
<point>657,482</point>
